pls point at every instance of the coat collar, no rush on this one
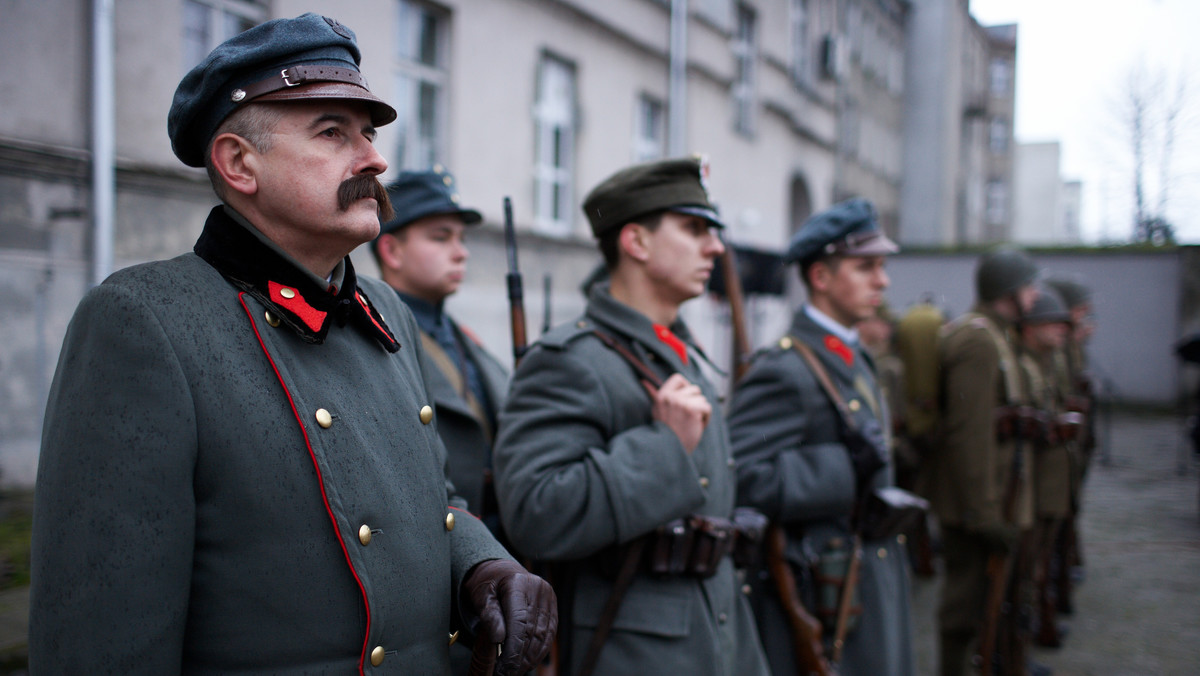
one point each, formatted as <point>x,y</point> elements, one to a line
<point>830,349</point>
<point>637,327</point>
<point>291,293</point>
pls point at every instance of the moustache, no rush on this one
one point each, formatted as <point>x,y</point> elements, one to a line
<point>363,186</point>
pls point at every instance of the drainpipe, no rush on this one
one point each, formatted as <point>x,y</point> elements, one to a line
<point>103,183</point>
<point>677,93</point>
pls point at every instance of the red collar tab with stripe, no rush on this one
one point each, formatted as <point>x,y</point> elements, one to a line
<point>672,341</point>
<point>836,346</point>
<point>305,307</point>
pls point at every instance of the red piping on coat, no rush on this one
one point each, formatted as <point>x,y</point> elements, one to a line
<point>320,479</point>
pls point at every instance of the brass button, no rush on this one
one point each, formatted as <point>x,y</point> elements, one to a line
<point>426,415</point>
<point>454,637</point>
<point>901,539</point>
<point>450,521</point>
<point>882,553</point>
<point>364,534</point>
<point>581,323</point>
<point>855,405</point>
<point>746,589</point>
<point>731,462</point>
<point>287,293</point>
<point>323,418</point>
<point>272,320</point>
<point>785,343</point>
<point>703,482</point>
<point>722,618</point>
<point>447,180</point>
<point>377,656</point>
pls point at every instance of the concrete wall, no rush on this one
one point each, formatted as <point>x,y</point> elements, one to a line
<point>1036,194</point>
<point>1143,303</point>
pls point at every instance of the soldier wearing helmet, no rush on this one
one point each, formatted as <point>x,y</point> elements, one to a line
<point>976,477</point>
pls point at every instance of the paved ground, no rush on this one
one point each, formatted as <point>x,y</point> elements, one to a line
<point>1137,613</point>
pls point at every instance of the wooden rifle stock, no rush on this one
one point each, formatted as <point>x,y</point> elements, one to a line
<point>806,629</point>
<point>997,574</point>
<point>737,313</point>
<point>846,599</point>
<point>516,293</point>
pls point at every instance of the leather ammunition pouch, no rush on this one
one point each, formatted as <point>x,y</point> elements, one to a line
<point>890,511</point>
<point>694,545</point>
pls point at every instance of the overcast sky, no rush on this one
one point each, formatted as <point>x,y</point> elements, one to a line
<point>1074,61</point>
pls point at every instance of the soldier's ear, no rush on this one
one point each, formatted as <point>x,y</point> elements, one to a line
<point>237,163</point>
<point>391,253</point>
<point>633,241</point>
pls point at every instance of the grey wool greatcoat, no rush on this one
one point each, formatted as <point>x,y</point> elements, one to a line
<point>793,466</point>
<point>236,477</point>
<point>581,466</point>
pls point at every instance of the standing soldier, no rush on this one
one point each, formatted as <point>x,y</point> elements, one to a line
<point>238,472</point>
<point>422,254</point>
<point>977,476</point>
<point>1044,333</point>
<point>613,457</point>
<point>798,464</point>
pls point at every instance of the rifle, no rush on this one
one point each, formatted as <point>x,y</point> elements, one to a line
<point>737,314</point>
<point>806,629</point>
<point>545,302</point>
<point>997,574</point>
<point>516,294</point>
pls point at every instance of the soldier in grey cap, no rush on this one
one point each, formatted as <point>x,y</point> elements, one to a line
<point>613,460</point>
<point>239,472</point>
<point>799,464</point>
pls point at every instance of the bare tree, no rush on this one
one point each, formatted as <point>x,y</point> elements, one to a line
<point>1151,119</point>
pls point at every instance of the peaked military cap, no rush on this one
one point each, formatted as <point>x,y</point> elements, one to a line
<point>667,185</point>
<point>848,228</point>
<point>417,194</point>
<point>308,57</point>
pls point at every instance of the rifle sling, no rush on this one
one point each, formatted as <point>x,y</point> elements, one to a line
<point>826,384</point>
<point>633,553</point>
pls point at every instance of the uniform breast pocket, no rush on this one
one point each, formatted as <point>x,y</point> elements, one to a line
<point>658,608</point>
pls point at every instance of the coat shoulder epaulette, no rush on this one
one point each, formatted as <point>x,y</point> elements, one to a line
<point>560,336</point>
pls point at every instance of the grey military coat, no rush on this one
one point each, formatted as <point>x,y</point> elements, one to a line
<point>581,466</point>
<point>237,477</point>
<point>793,466</point>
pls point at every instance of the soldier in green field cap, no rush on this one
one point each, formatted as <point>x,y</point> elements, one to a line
<point>613,461</point>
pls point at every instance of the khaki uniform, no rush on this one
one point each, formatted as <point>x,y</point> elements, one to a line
<point>969,477</point>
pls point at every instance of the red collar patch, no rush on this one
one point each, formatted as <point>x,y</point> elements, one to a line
<point>290,299</point>
<point>836,346</point>
<point>664,334</point>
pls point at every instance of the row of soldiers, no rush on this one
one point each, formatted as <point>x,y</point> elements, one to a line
<point>807,455</point>
<point>257,461</point>
<point>1008,507</point>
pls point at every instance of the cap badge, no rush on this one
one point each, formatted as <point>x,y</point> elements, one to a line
<point>705,170</point>
<point>237,95</point>
<point>338,28</point>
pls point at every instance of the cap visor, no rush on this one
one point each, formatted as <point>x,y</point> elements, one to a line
<point>707,214</point>
<point>876,246</point>
<point>381,112</point>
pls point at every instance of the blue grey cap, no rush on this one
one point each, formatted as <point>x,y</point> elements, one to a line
<point>417,194</point>
<point>847,228</point>
<point>308,57</point>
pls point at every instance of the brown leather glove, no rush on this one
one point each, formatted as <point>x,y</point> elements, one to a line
<point>516,609</point>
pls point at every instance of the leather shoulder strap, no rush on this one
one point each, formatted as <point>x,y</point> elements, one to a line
<point>822,376</point>
<point>638,365</point>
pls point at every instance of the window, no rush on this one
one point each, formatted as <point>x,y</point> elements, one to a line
<point>554,118</point>
<point>998,136</point>
<point>997,202</point>
<point>743,86</point>
<point>1001,76</point>
<point>800,45</point>
<point>649,129</point>
<point>420,85</point>
<point>208,23</point>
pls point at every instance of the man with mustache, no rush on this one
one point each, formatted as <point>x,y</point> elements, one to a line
<point>239,473</point>
<point>612,460</point>
<point>422,254</point>
<point>800,464</point>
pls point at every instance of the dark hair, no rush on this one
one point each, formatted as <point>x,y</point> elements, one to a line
<point>805,266</point>
<point>609,240</point>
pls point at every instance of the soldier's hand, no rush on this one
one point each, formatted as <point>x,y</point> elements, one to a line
<point>684,408</point>
<point>517,609</point>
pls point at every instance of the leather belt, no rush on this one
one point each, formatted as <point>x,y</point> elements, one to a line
<point>295,76</point>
